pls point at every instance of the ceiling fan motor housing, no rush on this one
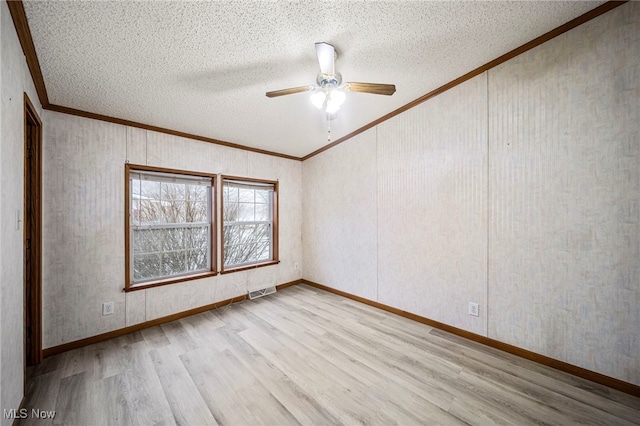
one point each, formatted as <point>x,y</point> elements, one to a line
<point>329,81</point>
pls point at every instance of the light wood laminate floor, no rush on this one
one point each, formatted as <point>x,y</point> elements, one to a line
<point>305,356</point>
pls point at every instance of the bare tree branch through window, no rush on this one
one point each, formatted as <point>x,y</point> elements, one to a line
<point>170,225</point>
<point>248,218</point>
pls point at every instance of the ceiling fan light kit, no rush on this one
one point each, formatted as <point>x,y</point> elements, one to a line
<point>329,92</point>
<point>330,100</point>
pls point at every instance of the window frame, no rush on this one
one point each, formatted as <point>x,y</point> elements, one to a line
<point>213,241</point>
<point>275,259</point>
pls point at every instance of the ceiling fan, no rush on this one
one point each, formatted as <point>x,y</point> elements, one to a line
<point>329,89</point>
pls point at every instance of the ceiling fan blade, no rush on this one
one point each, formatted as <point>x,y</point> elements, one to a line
<point>290,91</point>
<point>374,88</point>
<point>326,57</point>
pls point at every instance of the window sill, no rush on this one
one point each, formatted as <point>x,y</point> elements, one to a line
<point>158,283</point>
<point>247,267</point>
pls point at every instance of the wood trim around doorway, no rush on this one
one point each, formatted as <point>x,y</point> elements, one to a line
<point>32,215</point>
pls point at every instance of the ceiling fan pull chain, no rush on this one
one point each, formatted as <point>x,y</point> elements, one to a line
<point>328,128</point>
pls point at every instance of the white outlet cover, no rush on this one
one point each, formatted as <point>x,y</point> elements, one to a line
<point>107,308</point>
<point>473,309</point>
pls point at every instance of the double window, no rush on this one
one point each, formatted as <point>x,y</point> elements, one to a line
<point>171,228</point>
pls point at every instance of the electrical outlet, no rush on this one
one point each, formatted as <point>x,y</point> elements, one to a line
<point>474,309</point>
<point>107,308</point>
<point>295,266</point>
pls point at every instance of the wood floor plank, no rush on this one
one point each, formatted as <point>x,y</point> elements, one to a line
<point>530,377</point>
<point>143,390</point>
<point>546,411</point>
<point>306,356</point>
<point>351,375</point>
<point>296,400</point>
<point>352,406</point>
<point>109,359</point>
<point>42,394</point>
<point>155,337</point>
<point>181,340</point>
<point>482,363</point>
<point>405,405</point>
<point>366,333</point>
<point>474,411</point>
<point>184,400</point>
<point>200,326</point>
<point>347,353</point>
<point>72,402</point>
<point>231,391</point>
<point>118,410</point>
<point>400,398</point>
<point>435,387</point>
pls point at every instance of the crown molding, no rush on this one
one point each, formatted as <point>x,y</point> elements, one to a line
<point>16,8</point>
<point>20,22</point>
<point>24,34</point>
<point>504,58</point>
<point>86,114</point>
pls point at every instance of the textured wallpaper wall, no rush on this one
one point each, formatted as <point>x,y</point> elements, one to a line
<point>83,241</point>
<point>15,80</point>
<point>564,244</point>
<point>519,190</point>
<point>340,207</point>
<point>432,207</point>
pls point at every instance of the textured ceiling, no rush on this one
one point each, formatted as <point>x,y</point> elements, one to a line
<point>204,67</point>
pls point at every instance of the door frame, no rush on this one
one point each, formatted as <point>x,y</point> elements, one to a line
<point>32,248</point>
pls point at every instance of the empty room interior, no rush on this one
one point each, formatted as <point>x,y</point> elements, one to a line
<point>320,212</point>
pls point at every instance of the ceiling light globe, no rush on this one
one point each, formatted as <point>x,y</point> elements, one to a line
<point>337,97</point>
<point>317,99</point>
